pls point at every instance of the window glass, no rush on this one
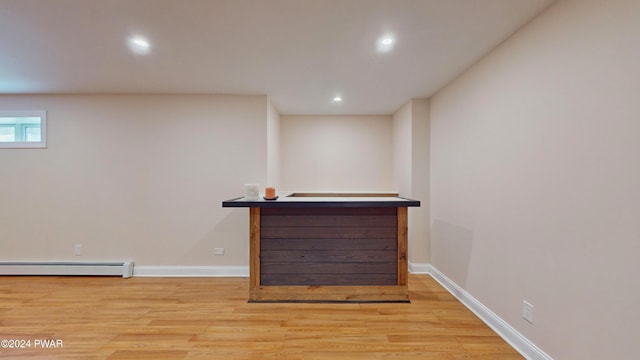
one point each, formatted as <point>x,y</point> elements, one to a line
<point>7,133</point>
<point>32,133</point>
<point>22,129</point>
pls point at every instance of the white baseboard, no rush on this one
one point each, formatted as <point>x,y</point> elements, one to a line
<point>191,271</point>
<point>418,268</point>
<point>525,347</point>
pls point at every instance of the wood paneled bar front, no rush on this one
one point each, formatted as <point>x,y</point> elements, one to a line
<point>325,247</point>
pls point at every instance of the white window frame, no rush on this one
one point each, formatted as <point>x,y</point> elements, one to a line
<point>42,114</point>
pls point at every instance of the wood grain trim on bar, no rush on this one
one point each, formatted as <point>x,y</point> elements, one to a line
<point>329,211</point>
<point>254,248</point>
<point>353,269</point>
<point>328,256</point>
<point>329,221</point>
<point>402,246</point>
<point>328,244</point>
<point>328,280</point>
<point>327,233</point>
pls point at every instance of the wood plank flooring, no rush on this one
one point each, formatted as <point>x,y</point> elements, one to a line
<point>209,318</point>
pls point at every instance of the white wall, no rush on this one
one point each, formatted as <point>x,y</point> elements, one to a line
<point>273,146</point>
<point>410,153</point>
<point>401,151</point>
<point>534,179</point>
<point>419,217</point>
<point>133,177</point>
<point>335,153</point>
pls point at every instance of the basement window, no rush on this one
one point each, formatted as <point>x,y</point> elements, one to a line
<point>23,129</point>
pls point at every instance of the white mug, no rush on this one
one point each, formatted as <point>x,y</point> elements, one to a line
<point>252,191</point>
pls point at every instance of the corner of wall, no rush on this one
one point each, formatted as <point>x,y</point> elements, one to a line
<point>273,145</point>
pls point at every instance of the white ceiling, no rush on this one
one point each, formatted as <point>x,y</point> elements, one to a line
<point>299,52</point>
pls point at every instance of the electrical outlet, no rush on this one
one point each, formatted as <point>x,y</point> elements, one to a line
<point>77,250</point>
<point>218,251</point>
<point>527,311</point>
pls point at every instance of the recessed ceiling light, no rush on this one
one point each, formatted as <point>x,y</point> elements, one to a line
<point>385,43</point>
<point>337,99</point>
<point>139,45</point>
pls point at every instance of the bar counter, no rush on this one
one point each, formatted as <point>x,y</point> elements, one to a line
<point>328,247</point>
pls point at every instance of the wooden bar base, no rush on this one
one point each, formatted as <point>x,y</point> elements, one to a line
<point>328,247</point>
<point>328,254</point>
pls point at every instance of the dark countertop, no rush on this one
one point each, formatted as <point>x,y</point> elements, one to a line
<point>289,200</point>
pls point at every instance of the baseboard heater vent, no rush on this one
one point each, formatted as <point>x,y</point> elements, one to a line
<point>110,268</point>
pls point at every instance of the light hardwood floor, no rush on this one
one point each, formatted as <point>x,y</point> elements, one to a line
<point>209,318</point>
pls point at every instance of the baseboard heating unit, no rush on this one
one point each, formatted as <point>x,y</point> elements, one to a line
<point>108,268</point>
